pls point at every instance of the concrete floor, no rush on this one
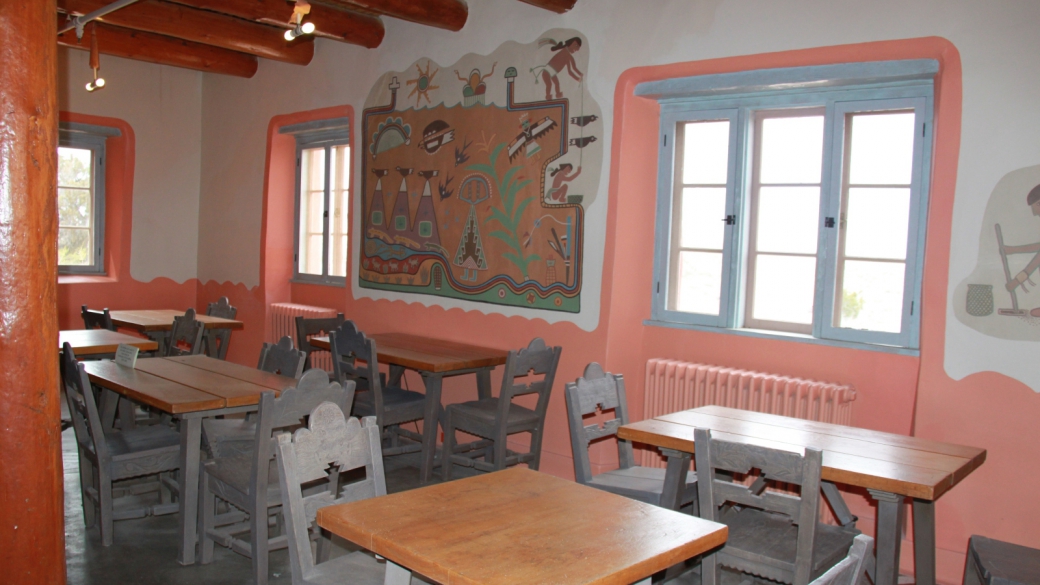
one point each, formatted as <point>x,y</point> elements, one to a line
<point>144,550</point>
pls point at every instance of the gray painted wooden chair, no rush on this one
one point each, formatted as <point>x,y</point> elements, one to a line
<point>851,569</point>
<point>390,405</point>
<point>185,335</point>
<point>94,319</point>
<point>107,457</point>
<point>994,562</point>
<point>495,418</point>
<point>603,391</point>
<point>308,328</point>
<point>341,443</point>
<point>216,340</point>
<point>249,481</point>
<point>230,436</point>
<point>771,534</point>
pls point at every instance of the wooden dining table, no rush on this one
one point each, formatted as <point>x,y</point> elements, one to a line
<point>156,323</point>
<point>890,466</point>
<point>92,342</point>
<point>520,526</point>
<point>434,360</point>
<point>189,388</point>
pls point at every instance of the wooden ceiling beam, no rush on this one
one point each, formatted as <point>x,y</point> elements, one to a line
<point>200,26</point>
<point>333,23</point>
<point>448,14</point>
<point>153,48</point>
<point>559,6</point>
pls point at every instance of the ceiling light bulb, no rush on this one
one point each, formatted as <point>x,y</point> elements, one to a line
<point>290,35</point>
<point>99,82</point>
<point>90,86</point>
<point>307,28</point>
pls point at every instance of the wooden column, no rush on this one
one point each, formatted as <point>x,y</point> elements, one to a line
<point>32,526</point>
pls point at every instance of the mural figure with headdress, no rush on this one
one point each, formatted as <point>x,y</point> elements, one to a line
<point>562,61</point>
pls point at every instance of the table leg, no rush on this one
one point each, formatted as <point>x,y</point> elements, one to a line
<point>924,542</point>
<point>674,478</point>
<point>643,582</point>
<point>430,424</point>
<point>158,337</point>
<point>191,441</point>
<point>396,574</point>
<point>889,536</point>
<point>484,383</point>
<point>396,373</point>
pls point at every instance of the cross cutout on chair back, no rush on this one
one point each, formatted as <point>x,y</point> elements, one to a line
<point>185,335</point>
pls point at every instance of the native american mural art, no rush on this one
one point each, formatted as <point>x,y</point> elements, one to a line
<point>477,176</point>
<point>1001,297</point>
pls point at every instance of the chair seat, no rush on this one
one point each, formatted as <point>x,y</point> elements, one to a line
<point>393,399</point>
<point>641,483</point>
<point>132,442</point>
<point>483,412</point>
<point>235,471</point>
<point>772,539</point>
<point>356,567</point>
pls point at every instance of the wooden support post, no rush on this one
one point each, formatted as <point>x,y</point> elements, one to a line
<point>32,530</point>
<point>559,6</point>
<point>447,14</point>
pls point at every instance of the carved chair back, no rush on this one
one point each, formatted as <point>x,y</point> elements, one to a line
<point>289,410</point>
<point>86,420</point>
<point>282,358</point>
<point>775,465</point>
<point>217,340</point>
<point>330,440</point>
<point>308,328</point>
<point>349,345</point>
<point>604,391</point>
<point>534,360</point>
<point>185,335</point>
<point>850,570</point>
<point>97,319</point>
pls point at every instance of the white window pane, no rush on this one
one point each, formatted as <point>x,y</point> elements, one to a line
<point>74,167</point>
<point>74,247</point>
<point>872,296</point>
<point>310,262</point>
<point>703,209</point>
<point>792,150</point>
<point>877,221</point>
<point>74,208</point>
<point>313,165</point>
<point>784,287</point>
<point>338,256</point>
<point>882,148</point>
<point>706,152</point>
<point>700,283</point>
<point>788,219</point>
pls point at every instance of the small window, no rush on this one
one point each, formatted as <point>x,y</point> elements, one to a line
<point>81,198</point>
<point>322,200</point>
<point>798,210</point>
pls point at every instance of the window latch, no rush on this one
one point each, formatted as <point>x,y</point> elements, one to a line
<point>730,220</point>
<point>828,222</point>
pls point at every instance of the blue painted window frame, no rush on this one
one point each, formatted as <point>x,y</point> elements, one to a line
<point>93,138</point>
<point>840,89</point>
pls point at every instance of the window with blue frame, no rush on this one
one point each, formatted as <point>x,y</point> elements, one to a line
<point>794,201</point>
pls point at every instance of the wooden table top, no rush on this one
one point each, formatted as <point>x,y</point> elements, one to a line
<point>182,385</point>
<point>522,526</point>
<point>162,320</point>
<point>428,355</point>
<point>100,341</point>
<point>889,462</point>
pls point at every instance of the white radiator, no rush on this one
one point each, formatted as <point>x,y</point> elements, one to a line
<point>281,321</point>
<point>672,386</point>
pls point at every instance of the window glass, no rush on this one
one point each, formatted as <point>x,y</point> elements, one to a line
<point>312,210</point>
<point>75,206</point>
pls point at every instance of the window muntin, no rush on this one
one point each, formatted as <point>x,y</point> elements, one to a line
<point>777,246</point>
<point>322,200</point>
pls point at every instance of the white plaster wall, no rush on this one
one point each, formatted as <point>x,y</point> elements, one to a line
<point>163,105</point>
<point>997,42</point>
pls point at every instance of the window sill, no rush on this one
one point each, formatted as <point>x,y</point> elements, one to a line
<point>86,279</point>
<point>319,283</point>
<point>783,336</point>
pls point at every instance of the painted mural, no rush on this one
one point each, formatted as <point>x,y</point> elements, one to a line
<point>1001,297</point>
<point>476,177</point>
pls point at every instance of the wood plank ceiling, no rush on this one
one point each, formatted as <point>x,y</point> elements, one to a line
<point>228,36</point>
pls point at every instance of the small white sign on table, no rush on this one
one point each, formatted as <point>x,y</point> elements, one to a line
<point>126,355</point>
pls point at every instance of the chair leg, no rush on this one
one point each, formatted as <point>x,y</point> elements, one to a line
<point>536,448</point>
<point>105,503</point>
<point>207,509</point>
<point>449,446</point>
<point>165,497</point>
<point>500,452</point>
<point>86,480</point>
<point>324,548</point>
<point>259,535</point>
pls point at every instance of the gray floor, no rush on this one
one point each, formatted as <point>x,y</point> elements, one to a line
<point>145,550</point>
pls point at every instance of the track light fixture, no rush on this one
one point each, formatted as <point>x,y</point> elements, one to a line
<point>299,28</point>
<point>95,61</point>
